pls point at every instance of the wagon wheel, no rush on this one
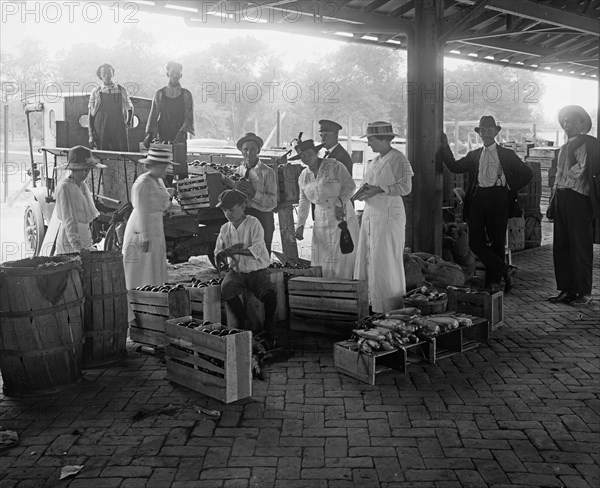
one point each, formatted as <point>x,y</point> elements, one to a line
<point>33,226</point>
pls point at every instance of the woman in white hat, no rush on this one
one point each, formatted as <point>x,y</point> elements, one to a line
<point>144,247</point>
<point>380,254</point>
<point>327,184</point>
<point>75,207</point>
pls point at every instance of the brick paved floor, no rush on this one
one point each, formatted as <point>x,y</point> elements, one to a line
<point>523,411</point>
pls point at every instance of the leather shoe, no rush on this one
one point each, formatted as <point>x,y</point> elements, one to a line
<point>580,300</point>
<point>562,297</point>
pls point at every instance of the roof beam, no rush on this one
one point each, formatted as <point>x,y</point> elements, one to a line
<point>467,15</point>
<point>530,9</point>
<point>504,45</point>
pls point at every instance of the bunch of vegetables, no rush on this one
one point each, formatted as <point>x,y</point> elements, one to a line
<point>425,294</point>
<point>164,288</point>
<point>289,265</point>
<point>203,284</point>
<point>209,327</point>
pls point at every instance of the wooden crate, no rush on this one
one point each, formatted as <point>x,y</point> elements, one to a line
<point>543,152</point>
<point>191,357</point>
<point>366,367</point>
<point>152,309</point>
<point>456,341</point>
<point>480,304</point>
<point>516,234</point>
<point>199,191</point>
<point>205,303</point>
<point>326,305</point>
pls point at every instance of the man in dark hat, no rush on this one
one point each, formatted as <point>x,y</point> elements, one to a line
<point>329,130</point>
<point>259,184</point>
<point>495,173</point>
<point>575,179</point>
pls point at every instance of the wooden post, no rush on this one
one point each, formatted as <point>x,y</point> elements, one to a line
<point>289,246</point>
<point>278,128</point>
<point>456,138</point>
<point>425,120</point>
<point>349,134</point>
<point>5,163</point>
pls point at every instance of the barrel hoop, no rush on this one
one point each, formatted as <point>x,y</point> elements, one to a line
<point>42,352</point>
<point>43,311</point>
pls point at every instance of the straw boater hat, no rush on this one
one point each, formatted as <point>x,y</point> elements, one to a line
<point>80,157</point>
<point>329,126</point>
<point>487,121</point>
<point>159,154</point>
<point>250,136</point>
<point>380,128</point>
<point>580,112</point>
<point>305,146</point>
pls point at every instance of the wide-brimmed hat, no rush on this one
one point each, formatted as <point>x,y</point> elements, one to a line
<point>580,112</point>
<point>380,128</point>
<point>329,126</point>
<point>80,157</point>
<point>250,136</point>
<point>305,146</point>
<point>231,198</point>
<point>159,154</point>
<point>487,121</point>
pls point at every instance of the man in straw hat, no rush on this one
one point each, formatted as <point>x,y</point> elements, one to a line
<point>575,179</point>
<point>329,131</point>
<point>494,172</point>
<point>259,184</point>
<point>144,247</point>
<point>75,209</point>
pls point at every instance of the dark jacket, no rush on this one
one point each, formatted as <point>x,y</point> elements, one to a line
<point>517,173</point>
<point>592,147</point>
<point>342,156</point>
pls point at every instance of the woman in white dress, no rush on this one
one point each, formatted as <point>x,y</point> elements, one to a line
<point>144,246</point>
<point>380,250</point>
<point>75,208</point>
<point>327,184</point>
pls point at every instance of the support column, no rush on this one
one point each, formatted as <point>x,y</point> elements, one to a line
<point>425,121</point>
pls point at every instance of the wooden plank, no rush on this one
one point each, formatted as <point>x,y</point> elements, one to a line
<point>322,284</point>
<point>147,336</point>
<point>150,309</point>
<point>323,316</point>
<point>192,360</point>
<point>479,304</point>
<point>323,303</point>
<point>330,327</point>
<point>199,381</point>
<point>148,297</point>
<point>151,322</point>
<point>349,295</point>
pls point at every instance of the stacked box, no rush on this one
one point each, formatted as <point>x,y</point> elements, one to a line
<point>489,306</point>
<point>199,191</point>
<point>327,305</point>
<point>205,303</point>
<point>456,341</point>
<point>219,367</point>
<point>152,310</point>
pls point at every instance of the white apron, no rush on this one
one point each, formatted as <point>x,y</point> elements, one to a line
<point>380,253</point>
<point>150,199</point>
<point>333,181</point>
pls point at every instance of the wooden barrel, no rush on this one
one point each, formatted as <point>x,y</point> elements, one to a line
<point>105,308</point>
<point>41,327</point>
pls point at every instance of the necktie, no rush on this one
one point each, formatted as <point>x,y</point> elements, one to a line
<point>326,154</point>
<point>247,173</point>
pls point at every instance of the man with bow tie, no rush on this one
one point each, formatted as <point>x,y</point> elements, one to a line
<point>329,130</point>
<point>495,173</point>
<point>575,178</point>
<point>259,184</point>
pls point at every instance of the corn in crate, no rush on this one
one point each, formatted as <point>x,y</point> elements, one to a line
<point>199,191</point>
<point>210,359</point>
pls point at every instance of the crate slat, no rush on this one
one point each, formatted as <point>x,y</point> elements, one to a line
<point>480,304</point>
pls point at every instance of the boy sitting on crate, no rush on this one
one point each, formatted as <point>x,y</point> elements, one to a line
<point>241,242</point>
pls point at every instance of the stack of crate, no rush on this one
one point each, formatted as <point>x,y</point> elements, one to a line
<point>199,191</point>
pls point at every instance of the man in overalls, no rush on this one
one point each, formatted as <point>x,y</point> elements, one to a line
<point>172,113</point>
<point>109,111</point>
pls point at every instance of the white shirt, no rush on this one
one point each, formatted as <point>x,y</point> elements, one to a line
<point>264,181</point>
<point>572,177</point>
<point>489,167</point>
<point>251,235</point>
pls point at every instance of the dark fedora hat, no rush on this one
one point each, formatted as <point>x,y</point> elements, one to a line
<point>305,146</point>
<point>487,121</point>
<point>578,111</point>
<point>250,136</point>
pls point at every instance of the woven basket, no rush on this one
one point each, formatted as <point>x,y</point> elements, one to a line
<point>429,307</point>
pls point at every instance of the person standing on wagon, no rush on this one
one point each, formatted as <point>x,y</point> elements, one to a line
<point>172,113</point>
<point>110,112</point>
<point>259,184</point>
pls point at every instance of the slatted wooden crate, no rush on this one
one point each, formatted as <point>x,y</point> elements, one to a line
<point>366,367</point>
<point>205,303</point>
<point>199,191</point>
<point>543,152</point>
<point>516,234</point>
<point>489,306</point>
<point>456,341</point>
<point>219,367</point>
<point>152,309</point>
<point>326,305</point>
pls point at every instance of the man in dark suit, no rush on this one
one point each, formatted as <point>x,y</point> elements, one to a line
<point>329,130</point>
<point>575,178</point>
<point>495,174</point>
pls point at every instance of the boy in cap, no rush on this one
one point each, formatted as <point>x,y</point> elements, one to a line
<point>241,241</point>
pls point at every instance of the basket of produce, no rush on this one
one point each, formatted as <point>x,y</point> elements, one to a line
<point>427,299</point>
